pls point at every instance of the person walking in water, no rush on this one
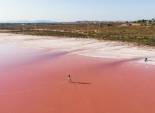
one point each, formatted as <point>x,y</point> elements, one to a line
<point>146,59</point>
<point>69,78</point>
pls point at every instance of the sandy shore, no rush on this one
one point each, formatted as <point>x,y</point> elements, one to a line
<point>86,47</point>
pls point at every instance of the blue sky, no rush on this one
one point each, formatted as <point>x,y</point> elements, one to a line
<point>73,10</point>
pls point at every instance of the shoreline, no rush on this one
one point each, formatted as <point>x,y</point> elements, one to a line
<point>85,47</point>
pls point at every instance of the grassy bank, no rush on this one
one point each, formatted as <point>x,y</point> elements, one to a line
<point>140,34</point>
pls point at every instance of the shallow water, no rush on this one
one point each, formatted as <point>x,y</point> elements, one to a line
<point>38,84</point>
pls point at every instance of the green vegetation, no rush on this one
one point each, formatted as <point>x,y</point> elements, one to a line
<point>141,32</point>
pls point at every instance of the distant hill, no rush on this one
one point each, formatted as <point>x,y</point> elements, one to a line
<point>29,21</point>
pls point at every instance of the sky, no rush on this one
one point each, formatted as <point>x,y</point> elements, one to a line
<point>76,10</point>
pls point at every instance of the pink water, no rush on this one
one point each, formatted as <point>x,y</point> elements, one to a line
<point>40,85</point>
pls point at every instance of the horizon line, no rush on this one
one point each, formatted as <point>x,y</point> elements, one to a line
<point>52,21</point>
